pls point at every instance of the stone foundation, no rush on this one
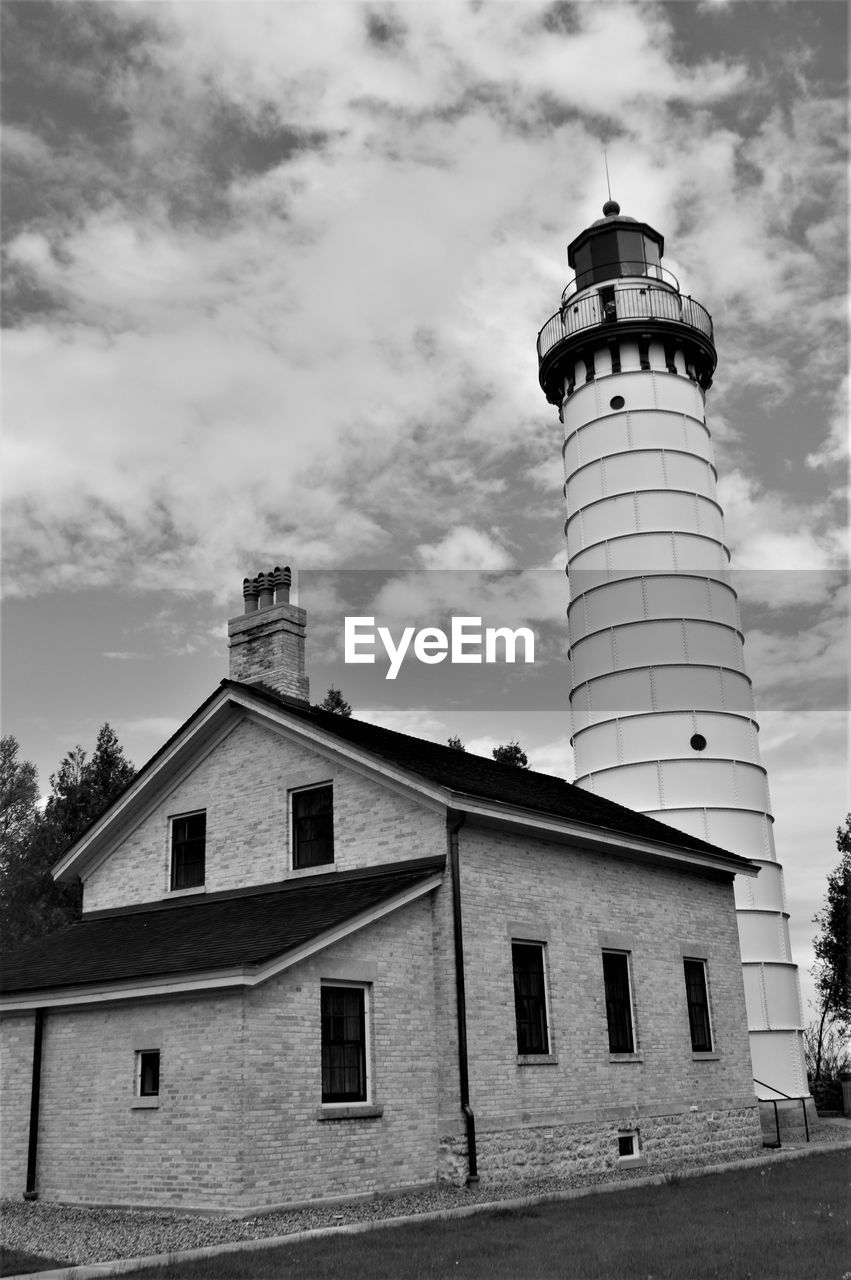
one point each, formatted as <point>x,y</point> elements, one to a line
<point>585,1150</point>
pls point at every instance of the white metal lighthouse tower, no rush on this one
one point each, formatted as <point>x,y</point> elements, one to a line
<point>662,711</point>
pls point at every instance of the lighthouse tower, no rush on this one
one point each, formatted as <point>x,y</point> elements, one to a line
<point>662,712</point>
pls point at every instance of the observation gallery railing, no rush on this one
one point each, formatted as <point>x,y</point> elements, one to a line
<point>645,303</point>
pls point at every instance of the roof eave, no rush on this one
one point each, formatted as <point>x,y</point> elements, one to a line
<point>604,839</point>
<point>214,979</point>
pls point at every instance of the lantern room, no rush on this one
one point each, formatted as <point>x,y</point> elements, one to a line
<point>615,246</point>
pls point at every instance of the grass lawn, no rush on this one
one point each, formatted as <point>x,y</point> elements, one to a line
<point>15,1261</point>
<point>788,1221</point>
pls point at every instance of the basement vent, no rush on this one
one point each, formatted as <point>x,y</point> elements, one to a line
<point>626,1145</point>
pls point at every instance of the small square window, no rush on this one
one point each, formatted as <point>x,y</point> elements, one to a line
<point>626,1145</point>
<point>530,997</point>
<point>618,1001</point>
<point>344,1044</point>
<point>188,850</point>
<point>697,999</point>
<point>313,826</point>
<point>148,1073</point>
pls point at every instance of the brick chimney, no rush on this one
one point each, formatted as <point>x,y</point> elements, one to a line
<point>266,642</point>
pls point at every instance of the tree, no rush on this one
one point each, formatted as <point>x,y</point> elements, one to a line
<point>32,903</point>
<point>334,701</point>
<point>831,969</point>
<point>511,753</point>
<point>455,743</point>
<point>18,796</point>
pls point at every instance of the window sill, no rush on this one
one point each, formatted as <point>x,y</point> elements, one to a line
<point>348,1111</point>
<point>537,1059</point>
<point>186,893</point>
<point>631,1162</point>
<point>318,869</point>
<point>626,1057</point>
<point>706,1057</point>
<point>144,1104</point>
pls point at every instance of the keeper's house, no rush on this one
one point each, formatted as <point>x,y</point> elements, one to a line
<point>320,959</point>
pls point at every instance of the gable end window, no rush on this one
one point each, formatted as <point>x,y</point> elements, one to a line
<point>148,1073</point>
<point>697,998</point>
<point>313,826</point>
<point>618,1001</point>
<point>530,997</point>
<point>344,1044</point>
<point>188,850</point>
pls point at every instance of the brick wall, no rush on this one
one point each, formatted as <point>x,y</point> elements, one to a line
<point>93,1144</point>
<point>243,784</point>
<point>16,1050</point>
<point>577,902</point>
<point>294,1156</point>
<point>240,1088</point>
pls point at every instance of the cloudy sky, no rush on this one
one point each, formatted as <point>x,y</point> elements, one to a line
<point>273,278</point>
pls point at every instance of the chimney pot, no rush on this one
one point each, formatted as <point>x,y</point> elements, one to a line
<point>282,579</point>
<point>265,586</point>
<point>249,592</point>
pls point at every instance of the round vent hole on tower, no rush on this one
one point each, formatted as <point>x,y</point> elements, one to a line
<point>616,402</point>
<point>697,742</point>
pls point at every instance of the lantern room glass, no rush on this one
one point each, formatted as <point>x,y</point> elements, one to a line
<point>611,253</point>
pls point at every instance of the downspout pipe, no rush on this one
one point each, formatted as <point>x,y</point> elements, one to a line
<point>454,823</point>
<point>35,1098</point>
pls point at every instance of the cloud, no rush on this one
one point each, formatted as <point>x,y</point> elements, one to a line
<point>834,448</point>
<point>160,728</point>
<point>287,289</point>
<point>766,530</point>
<point>465,548</point>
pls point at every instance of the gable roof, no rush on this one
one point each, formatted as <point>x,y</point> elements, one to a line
<point>473,775</point>
<point>499,793</point>
<point>246,927</point>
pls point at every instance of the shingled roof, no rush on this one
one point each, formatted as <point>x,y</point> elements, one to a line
<point>216,931</point>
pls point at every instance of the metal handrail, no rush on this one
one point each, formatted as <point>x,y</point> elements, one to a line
<point>798,1097</point>
<point>650,269</point>
<point>648,303</point>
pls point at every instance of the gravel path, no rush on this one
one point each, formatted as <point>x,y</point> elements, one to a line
<point>84,1235</point>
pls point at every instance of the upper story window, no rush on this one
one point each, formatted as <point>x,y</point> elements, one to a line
<point>188,850</point>
<point>147,1073</point>
<point>530,997</point>
<point>618,1001</point>
<point>313,826</point>
<point>698,1006</point>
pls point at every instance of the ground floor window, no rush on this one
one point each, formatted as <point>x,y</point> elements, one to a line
<point>530,997</point>
<point>698,1006</point>
<point>618,1001</point>
<point>344,1044</point>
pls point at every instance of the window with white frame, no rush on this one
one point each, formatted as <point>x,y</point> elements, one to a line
<point>188,849</point>
<point>344,1047</point>
<point>619,1017</point>
<point>313,826</point>
<point>147,1073</point>
<point>697,998</point>
<point>530,997</point>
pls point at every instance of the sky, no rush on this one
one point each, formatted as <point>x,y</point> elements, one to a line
<point>273,275</point>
